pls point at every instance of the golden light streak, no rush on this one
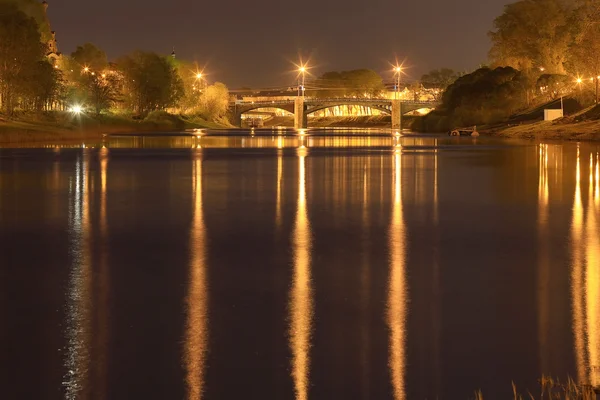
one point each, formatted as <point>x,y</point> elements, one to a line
<point>196,332</point>
<point>592,292</point>
<point>544,262</point>
<point>597,196</point>
<point>101,361</point>
<point>577,281</point>
<point>79,303</point>
<point>397,293</point>
<point>301,292</point>
<point>365,285</point>
<point>435,186</point>
<point>279,179</point>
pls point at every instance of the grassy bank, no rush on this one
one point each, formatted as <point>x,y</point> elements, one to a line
<point>61,126</point>
<point>581,125</point>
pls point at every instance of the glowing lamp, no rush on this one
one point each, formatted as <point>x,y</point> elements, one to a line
<point>76,109</point>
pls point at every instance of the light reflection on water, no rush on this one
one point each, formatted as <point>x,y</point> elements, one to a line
<point>79,303</point>
<point>301,307</point>
<point>585,279</point>
<point>196,337</point>
<point>399,201</point>
<point>397,291</point>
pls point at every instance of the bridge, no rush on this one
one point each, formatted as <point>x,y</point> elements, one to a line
<point>302,106</point>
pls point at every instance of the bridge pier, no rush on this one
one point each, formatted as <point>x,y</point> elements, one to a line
<point>236,119</point>
<point>397,114</point>
<point>300,118</point>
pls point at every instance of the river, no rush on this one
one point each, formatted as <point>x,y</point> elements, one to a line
<point>272,265</point>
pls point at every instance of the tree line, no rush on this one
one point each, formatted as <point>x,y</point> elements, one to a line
<point>138,83</point>
<point>541,50</point>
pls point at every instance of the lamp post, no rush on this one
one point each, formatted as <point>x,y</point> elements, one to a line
<point>302,71</point>
<point>397,72</point>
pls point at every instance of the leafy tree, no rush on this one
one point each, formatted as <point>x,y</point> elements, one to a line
<point>20,51</point>
<point>193,86</point>
<point>532,33</point>
<point>35,10</point>
<point>584,57</point>
<point>359,83</point>
<point>102,91</point>
<point>41,86</point>
<point>91,57</point>
<point>214,101</point>
<point>552,86</point>
<point>439,79</point>
<point>485,96</point>
<point>151,82</point>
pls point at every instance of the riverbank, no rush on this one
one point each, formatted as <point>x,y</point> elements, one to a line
<point>589,130</point>
<point>583,125</point>
<point>63,126</point>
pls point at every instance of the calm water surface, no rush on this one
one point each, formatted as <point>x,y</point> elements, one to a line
<point>297,267</point>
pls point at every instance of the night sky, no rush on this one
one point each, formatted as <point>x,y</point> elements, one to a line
<point>252,43</point>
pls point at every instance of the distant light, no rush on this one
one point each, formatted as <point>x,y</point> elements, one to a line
<point>86,69</point>
<point>579,80</point>
<point>542,69</point>
<point>76,109</point>
<point>104,75</point>
<point>56,66</point>
<point>199,75</point>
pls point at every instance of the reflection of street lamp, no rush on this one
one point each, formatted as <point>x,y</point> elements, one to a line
<point>398,72</point>
<point>302,71</point>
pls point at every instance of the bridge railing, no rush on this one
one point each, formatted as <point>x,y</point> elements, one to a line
<point>266,103</point>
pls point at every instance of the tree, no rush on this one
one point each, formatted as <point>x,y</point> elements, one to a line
<point>20,51</point>
<point>214,101</point>
<point>102,91</point>
<point>359,83</point>
<point>40,87</point>
<point>484,96</point>
<point>552,86</point>
<point>532,33</point>
<point>90,57</point>
<point>193,85</point>
<point>34,9</point>
<point>439,80</point>
<point>151,82</point>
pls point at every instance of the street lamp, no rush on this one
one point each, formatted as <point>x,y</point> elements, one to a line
<point>302,71</point>
<point>398,72</point>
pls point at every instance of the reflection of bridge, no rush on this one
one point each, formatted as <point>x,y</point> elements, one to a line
<point>302,106</point>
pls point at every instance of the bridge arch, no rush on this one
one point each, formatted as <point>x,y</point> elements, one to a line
<point>245,109</point>
<point>382,108</point>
